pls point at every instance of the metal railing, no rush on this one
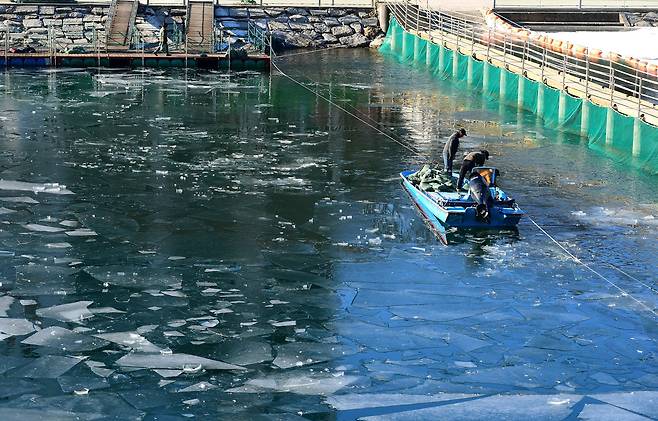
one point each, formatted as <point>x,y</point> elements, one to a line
<point>630,87</point>
<point>577,4</point>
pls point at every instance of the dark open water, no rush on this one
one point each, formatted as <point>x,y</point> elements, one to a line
<point>239,219</point>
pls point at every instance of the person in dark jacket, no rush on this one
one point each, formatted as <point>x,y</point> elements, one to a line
<point>479,192</point>
<point>450,149</point>
<point>472,160</point>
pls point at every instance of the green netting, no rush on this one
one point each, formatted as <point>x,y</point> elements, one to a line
<point>626,138</point>
<point>569,114</point>
<point>529,97</point>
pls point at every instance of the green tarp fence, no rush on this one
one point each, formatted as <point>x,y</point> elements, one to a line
<point>625,139</point>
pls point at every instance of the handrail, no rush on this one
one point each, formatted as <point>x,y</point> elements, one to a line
<point>605,80</point>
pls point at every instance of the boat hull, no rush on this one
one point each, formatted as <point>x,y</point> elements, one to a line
<point>462,217</point>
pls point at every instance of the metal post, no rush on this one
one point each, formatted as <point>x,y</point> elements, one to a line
<point>587,73</point>
<point>612,82</point>
<point>488,44</point>
<point>525,46</point>
<point>441,29</point>
<point>564,71</point>
<point>505,50</point>
<point>543,64</point>
<point>639,98</point>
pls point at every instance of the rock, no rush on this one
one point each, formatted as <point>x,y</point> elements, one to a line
<point>377,43</point>
<point>256,13</point>
<point>301,26</point>
<point>651,17</point>
<point>357,27</point>
<point>273,12</point>
<point>92,18</point>
<point>356,40</point>
<point>47,10</point>
<point>99,11</point>
<point>25,10</point>
<point>329,38</point>
<point>364,14</point>
<point>370,32</point>
<point>291,40</point>
<point>643,24</point>
<point>370,22</point>
<point>63,10</point>
<point>278,26</point>
<point>33,31</point>
<point>312,34</point>
<point>238,13</point>
<point>72,21</point>
<point>315,19</point>
<point>296,11</point>
<point>346,20</point>
<point>298,18</point>
<point>341,31</point>
<point>331,22</point>
<point>337,12</point>
<point>32,23</point>
<point>321,27</point>
<point>319,12</point>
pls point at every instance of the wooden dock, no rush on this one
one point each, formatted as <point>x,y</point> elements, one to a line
<point>136,59</point>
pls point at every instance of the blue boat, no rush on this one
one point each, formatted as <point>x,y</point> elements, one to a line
<point>458,209</point>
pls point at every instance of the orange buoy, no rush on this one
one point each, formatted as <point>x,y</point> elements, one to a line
<point>614,57</point>
<point>578,51</point>
<point>566,47</point>
<point>556,45</point>
<point>595,54</point>
<point>652,69</point>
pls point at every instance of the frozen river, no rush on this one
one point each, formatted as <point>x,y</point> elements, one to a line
<point>208,246</point>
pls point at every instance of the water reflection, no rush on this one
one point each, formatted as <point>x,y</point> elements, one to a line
<point>235,219</point>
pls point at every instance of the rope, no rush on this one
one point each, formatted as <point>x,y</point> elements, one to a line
<point>284,56</point>
<point>418,154</point>
<point>580,262</point>
<point>377,129</point>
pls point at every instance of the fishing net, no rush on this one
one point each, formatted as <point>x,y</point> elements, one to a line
<point>625,139</point>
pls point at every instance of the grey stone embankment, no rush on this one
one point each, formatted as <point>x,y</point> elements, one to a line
<point>648,19</point>
<point>68,26</point>
<point>84,27</point>
<point>304,27</point>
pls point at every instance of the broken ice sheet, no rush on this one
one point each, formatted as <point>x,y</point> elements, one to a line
<point>130,339</point>
<point>46,367</point>
<point>32,280</point>
<point>16,327</point>
<point>377,400</point>
<point>198,387</point>
<point>42,228</point>
<point>298,354</point>
<point>136,277</point>
<point>21,199</point>
<point>303,383</point>
<point>71,312</point>
<point>13,387</point>
<point>71,384</point>
<point>244,352</point>
<point>173,361</point>
<point>5,302</point>
<point>51,188</point>
<point>64,339</point>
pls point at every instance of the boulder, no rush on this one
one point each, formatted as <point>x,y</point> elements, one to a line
<point>47,10</point>
<point>273,12</point>
<point>296,11</point>
<point>298,18</point>
<point>331,22</point>
<point>319,12</point>
<point>301,26</point>
<point>356,40</point>
<point>643,24</point>
<point>292,40</point>
<point>370,32</point>
<point>346,20</point>
<point>32,23</point>
<point>329,38</point>
<point>278,26</point>
<point>376,43</point>
<point>52,22</point>
<point>72,21</point>
<point>341,31</point>
<point>370,22</point>
<point>321,27</point>
<point>26,10</point>
<point>357,27</point>
<point>651,17</point>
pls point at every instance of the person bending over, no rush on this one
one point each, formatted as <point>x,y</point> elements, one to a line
<point>472,160</point>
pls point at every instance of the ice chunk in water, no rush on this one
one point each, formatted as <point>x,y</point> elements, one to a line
<point>71,312</point>
<point>76,384</point>
<point>5,302</point>
<point>16,327</point>
<point>301,383</point>
<point>64,339</point>
<point>376,400</point>
<point>198,387</point>
<point>43,280</point>
<point>136,277</point>
<point>173,361</point>
<point>301,353</point>
<point>51,188</point>
<point>21,199</point>
<point>42,228</point>
<point>130,339</point>
<point>599,412</point>
<point>245,352</point>
<point>5,211</point>
<point>81,232</point>
<point>46,367</point>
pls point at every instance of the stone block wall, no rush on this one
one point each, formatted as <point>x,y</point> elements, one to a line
<point>84,26</point>
<point>68,25</point>
<point>640,19</point>
<point>304,27</point>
